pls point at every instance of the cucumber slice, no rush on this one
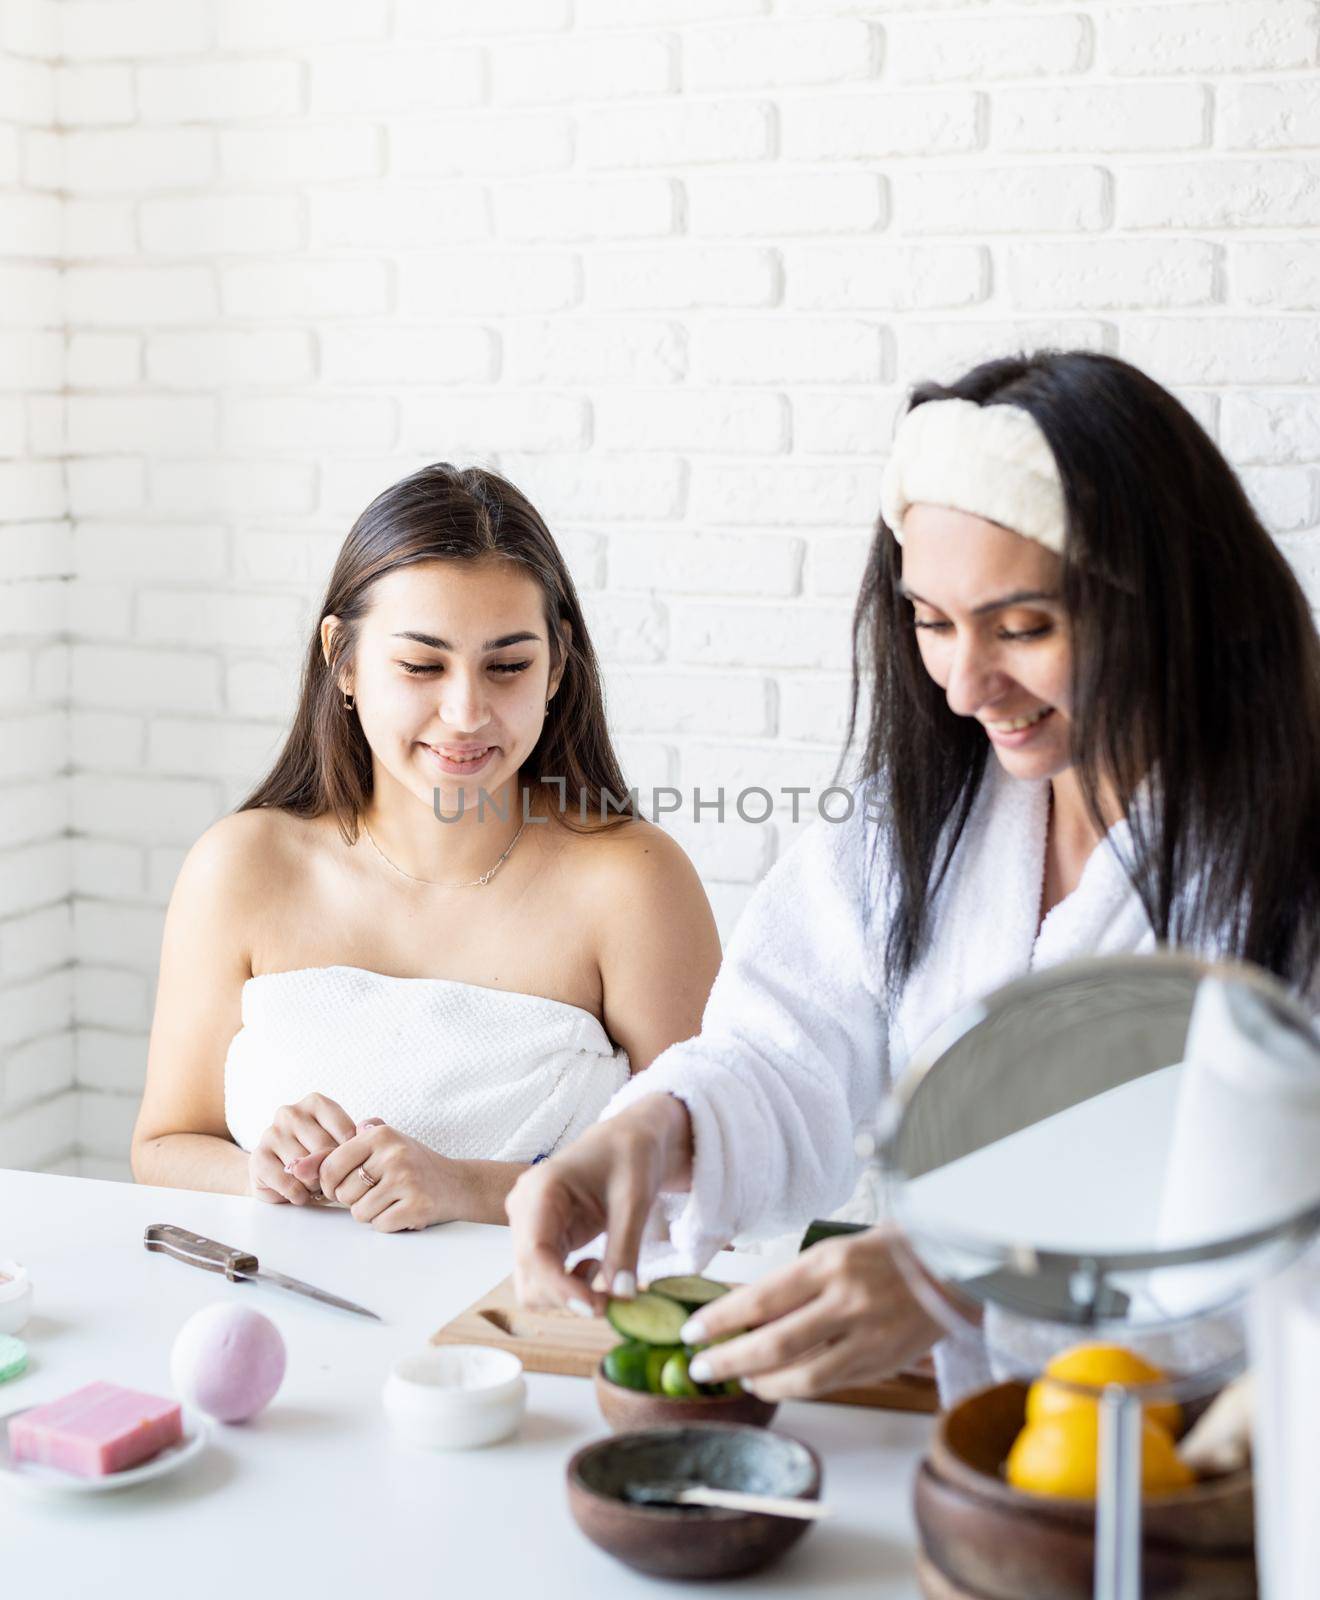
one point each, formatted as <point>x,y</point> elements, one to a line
<point>650,1317</point>
<point>691,1292</point>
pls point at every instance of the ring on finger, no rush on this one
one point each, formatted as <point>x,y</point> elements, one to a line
<point>367,1178</point>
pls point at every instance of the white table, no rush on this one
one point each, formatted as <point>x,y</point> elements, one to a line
<point>315,1497</point>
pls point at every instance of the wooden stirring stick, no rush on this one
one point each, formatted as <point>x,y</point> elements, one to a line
<point>694,1494</point>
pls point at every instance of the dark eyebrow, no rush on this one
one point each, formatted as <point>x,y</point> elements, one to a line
<point>1019,597</point>
<point>490,644</point>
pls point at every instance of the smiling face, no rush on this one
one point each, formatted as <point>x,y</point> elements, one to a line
<point>1007,665</point>
<point>451,676</point>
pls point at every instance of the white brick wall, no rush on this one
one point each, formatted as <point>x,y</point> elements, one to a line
<point>670,263</point>
<point>38,1101</point>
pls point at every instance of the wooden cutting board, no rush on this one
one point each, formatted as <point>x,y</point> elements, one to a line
<point>557,1341</point>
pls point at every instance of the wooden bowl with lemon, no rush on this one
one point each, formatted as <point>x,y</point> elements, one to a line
<point>644,1381</point>
<point>1005,1499</point>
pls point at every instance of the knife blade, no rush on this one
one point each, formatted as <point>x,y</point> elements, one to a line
<point>236,1265</point>
<point>298,1287</point>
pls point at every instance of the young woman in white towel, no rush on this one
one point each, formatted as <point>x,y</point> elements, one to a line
<point>436,939</point>
<point>1094,724</point>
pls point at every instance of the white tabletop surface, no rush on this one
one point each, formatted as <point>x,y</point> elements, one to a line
<point>315,1497</point>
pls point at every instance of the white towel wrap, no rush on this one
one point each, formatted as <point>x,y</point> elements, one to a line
<point>473,1073</point>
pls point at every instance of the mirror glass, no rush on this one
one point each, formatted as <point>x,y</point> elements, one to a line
<point>1122,1142</point>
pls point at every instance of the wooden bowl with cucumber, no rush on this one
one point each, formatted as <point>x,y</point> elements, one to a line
<point>644,1381</point>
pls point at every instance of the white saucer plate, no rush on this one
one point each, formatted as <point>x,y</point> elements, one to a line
<point>39,1479</point>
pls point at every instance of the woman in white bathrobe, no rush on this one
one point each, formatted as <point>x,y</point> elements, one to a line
<point>1094,691</point>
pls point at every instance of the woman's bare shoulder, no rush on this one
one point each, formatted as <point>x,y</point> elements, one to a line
<point>247,851</point>
<point>632,865</point>
<point>625,845</point>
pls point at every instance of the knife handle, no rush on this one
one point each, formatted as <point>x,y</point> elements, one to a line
<point>199,1252</point>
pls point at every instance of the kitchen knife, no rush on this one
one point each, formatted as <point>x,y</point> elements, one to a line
<point>236,1265</point>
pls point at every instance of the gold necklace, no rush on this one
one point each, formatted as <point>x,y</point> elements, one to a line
<point>472,884</point>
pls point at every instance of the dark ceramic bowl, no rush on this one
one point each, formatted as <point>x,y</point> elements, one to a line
<point>691,1541</point>
<point>984,1538</point>
<point>625,1409</point>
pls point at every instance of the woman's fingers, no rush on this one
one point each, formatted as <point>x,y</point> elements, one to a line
<point>370,1200</point>
<point>827,1368</point>
<point>278,1150</point>
<point>862,1327</point>
<point>748,1307</point>
<point>392,1219</point>
<point>627,1209</point>
<point>330,1115</point>
<point>864,1354</point>
<point>606,1181</point>
<point>549,1217</point>
<point>543,1209</point>
<point>541,1283</point>
<point>306,1170</point>
<point>336,1167</point>
<point>316,1139</point>
<point>309,1168</point>
<point>766,1349</point>
<point>631,1187</point>
<point>317,1125</point>
<point>299,1144</point>
<point>287,1160</point>
<point>588,1272</point>
<point>267,1169</point>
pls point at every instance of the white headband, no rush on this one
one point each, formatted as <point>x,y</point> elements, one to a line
<point>990,461</point>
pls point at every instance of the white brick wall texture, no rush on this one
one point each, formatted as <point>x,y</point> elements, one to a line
<point>671,264</point>
<point>39,1101</point>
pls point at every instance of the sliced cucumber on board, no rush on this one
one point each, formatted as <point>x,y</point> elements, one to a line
<point>691,1292</point>
<point>649,1317</point>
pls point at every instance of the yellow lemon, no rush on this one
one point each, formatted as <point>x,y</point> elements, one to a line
<point>1097,1365</point>
<point>1057,1456</point>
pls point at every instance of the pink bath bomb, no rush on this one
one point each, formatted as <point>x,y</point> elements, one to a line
<point>228,1361</point>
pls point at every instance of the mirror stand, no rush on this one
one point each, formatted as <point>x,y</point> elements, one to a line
<point>1118,1497</point>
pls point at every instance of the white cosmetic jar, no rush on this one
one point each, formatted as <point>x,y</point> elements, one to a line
<point>15,1296</point>
<point>455,1397</point>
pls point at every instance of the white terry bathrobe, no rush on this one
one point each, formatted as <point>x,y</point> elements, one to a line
<point>797,1047</point>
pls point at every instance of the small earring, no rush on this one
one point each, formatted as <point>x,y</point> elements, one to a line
<point>348,702</point>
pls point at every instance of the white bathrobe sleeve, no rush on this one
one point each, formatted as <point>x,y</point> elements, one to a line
<point>791,1059</point>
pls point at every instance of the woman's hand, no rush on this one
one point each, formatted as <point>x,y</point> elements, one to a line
<point>313,1127</point>
<point>842,1315</point>
<point>391,1181</point>
<point>606,1181</point>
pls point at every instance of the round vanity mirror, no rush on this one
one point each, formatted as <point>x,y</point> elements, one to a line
<point>1116,1149</point>
<point>1122,1141</point>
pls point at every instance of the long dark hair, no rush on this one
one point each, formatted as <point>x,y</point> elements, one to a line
<point>1195,660</point>
<point>443,513</point>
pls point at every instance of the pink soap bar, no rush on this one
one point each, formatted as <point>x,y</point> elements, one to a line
<point>97,1429</point>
